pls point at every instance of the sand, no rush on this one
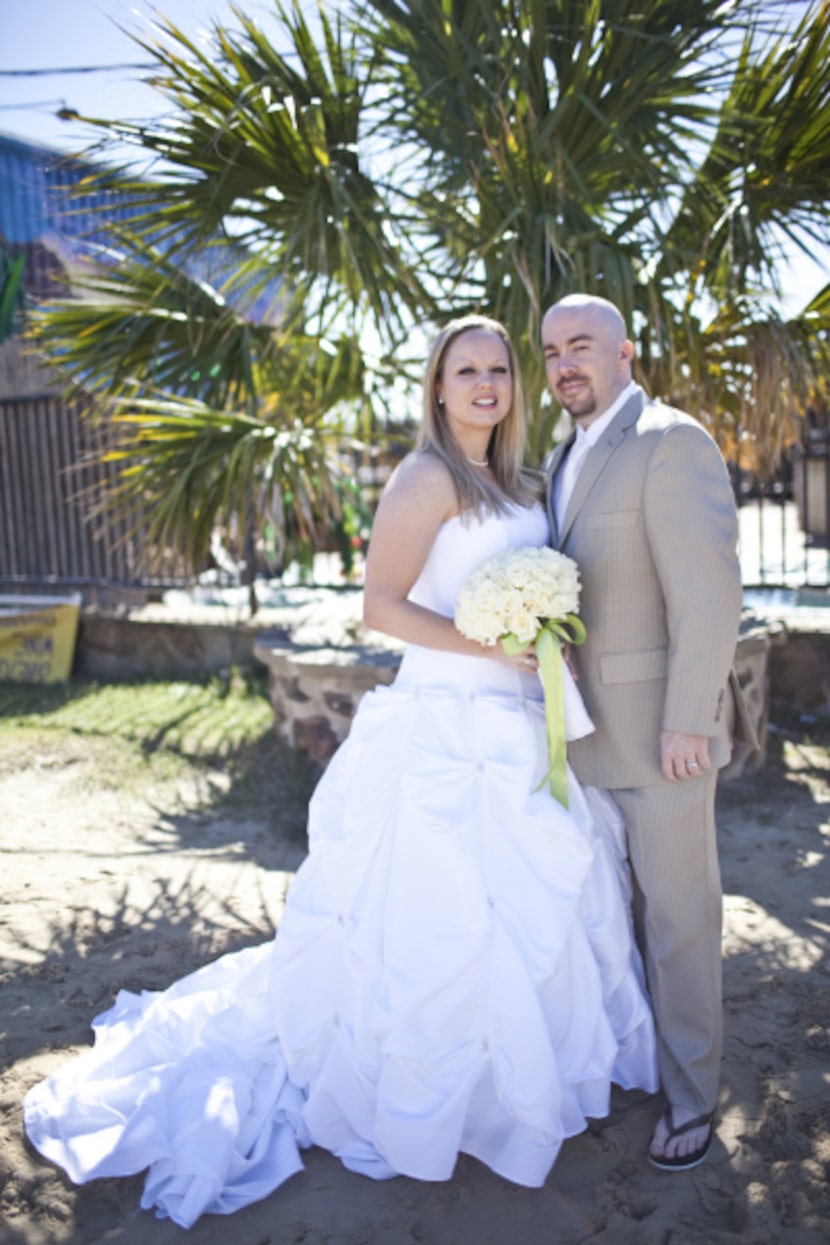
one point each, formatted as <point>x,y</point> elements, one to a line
<point>103,891</point>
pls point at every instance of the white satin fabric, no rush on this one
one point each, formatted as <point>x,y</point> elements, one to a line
<point>454,971</point>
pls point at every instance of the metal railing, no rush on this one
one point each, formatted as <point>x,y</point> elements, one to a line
<point>784,526</point>
<point>51,531</point>
<point>51,535</point>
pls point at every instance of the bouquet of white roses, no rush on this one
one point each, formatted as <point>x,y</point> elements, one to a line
<point>525,597</point>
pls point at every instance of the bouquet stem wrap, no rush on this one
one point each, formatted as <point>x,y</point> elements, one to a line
<point>549,639</point>
<point>523,597</point>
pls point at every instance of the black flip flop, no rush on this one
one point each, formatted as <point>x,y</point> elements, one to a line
<point>683,1162</point>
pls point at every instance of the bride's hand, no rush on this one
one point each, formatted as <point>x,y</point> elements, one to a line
<point>526,662</point>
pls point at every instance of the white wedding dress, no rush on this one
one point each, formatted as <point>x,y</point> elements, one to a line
<point>454,971</point>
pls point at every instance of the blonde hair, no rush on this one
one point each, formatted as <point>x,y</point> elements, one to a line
<point>505,452</point>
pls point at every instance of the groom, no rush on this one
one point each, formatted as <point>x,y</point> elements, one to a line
<point>639,496</point>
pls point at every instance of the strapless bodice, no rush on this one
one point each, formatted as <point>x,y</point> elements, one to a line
<point>463,543</point>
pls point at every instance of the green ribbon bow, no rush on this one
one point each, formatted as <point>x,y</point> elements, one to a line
<point>549,640</point>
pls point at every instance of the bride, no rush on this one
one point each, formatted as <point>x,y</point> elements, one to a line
<point>454,971</point>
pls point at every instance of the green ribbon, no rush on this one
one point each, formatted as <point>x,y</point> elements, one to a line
<point>548,642</point>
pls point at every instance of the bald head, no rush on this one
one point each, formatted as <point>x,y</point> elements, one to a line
<point>599,309</point>
<point>587,354</point>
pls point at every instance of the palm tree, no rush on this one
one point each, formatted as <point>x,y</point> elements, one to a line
<point>192,337</point>
<point>409,159</point>
<point>763,179</point>
<point>656,154</point>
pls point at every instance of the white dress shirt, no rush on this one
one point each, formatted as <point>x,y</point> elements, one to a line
<point>585,440</point>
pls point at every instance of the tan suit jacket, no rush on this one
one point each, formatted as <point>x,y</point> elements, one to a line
<point>652,526</point>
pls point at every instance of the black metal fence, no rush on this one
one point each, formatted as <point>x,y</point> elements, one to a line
<point>784,524</point>
<point>52,536</point>
<point>51,531</point>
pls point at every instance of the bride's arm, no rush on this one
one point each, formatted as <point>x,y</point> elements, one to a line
<point>418,499</point>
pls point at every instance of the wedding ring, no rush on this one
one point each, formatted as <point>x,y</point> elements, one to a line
<point>692,765</point>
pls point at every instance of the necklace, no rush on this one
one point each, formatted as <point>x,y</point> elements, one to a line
<point>484,462</point>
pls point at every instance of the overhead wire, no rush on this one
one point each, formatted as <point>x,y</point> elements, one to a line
<point>73,69</point>
<point>60,71</point>
<point>33,103</point>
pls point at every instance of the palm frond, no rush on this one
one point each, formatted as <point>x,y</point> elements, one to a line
<point>141,322</point>
<point>767,167</point>
<point>264,148</point>
<point>194,467</point>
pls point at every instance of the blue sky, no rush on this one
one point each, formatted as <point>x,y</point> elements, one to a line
<point>54,34</point>
<point>58,34</point>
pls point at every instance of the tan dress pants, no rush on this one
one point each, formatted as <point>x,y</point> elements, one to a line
<point>678,918</point>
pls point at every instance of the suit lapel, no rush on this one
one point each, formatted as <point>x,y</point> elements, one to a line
<point>553,464</point>
<point>599,457</point>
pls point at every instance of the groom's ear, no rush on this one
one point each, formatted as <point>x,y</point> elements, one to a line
<point>626,351</point>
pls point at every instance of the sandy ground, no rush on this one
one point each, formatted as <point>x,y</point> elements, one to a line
<point>106,891</point>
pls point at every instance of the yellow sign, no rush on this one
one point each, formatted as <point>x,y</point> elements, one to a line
<point>37,637</point>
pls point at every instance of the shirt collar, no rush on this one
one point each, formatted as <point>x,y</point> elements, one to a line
<point>594,431</point>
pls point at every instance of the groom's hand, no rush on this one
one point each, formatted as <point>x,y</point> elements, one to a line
<point>683,756</point>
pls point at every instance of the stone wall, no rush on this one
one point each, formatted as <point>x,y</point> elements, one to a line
<point>148,644</point>
<point>321,660</point>
<point>752,671</point>
<point>188,638</point>
<point>315,690</point>
<point>317,675</point>
<point>800,667</point>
